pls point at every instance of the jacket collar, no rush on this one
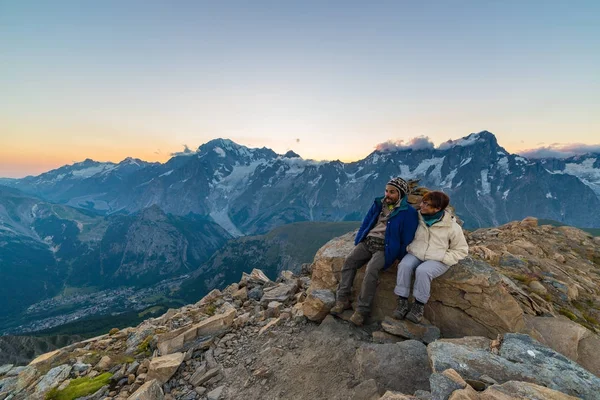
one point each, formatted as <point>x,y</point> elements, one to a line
<point>446,220</point>
<point>401,207</point>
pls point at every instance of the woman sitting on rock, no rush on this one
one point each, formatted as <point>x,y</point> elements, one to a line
<point>439,243</point>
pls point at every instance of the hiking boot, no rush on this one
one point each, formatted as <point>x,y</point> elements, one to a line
<point>401,309</point>
<point>357,318</point>
<point>416,313</point>
<point>340,307</point>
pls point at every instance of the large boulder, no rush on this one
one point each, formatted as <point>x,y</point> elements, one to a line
<point>568,338</point>
<point>520,358</point>
<point>381,363</point>
<point>179,339</point>
<point>163,368</point>
<point>53,378</point>
<point>317,304</point>
<point>469,300</point>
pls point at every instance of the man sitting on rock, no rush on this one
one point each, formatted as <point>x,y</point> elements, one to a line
<point>438,244</point>
<point>386,230</point>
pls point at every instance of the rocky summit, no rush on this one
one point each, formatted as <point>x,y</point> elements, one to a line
<point>517,319</point>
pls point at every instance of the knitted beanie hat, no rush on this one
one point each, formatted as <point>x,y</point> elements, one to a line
<point>399,184</point>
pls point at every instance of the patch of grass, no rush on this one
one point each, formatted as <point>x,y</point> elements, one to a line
<point>590,319</point>
<point>547,297</point>
<point>525,278</point>
<point>144,347</point>
<point>151,310</point>
<point>210,309</point>
<point>79,387</point>
<point>122,359</point>
<point>568,314</point>
<point>71,290</point>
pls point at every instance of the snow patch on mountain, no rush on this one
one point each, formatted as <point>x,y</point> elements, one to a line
<point>470,140</point>
<point>91,171</point>
<point>503,165</point>
<point>486,187</point>
<point>465,161</point>
<point>219,151</point>
<point>434,165</point>
<point>221,217</point>
<point>447,182</point>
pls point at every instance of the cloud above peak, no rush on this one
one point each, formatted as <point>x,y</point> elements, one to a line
<point>186,152</point>
<point>417,143</point>
<point>558,150</point>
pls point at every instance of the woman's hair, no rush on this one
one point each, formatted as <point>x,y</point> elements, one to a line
<point>437,199</point>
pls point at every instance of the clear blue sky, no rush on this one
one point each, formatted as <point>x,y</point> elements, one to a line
<point>110,79</point>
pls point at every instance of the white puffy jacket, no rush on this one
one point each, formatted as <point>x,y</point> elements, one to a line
<point>444,241</point>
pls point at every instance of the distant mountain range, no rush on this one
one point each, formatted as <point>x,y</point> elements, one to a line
<point>249,191</point>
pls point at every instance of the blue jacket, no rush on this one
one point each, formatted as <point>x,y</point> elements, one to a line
<point>400,231</point>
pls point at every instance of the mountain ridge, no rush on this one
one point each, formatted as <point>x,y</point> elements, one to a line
<point>251,190</point>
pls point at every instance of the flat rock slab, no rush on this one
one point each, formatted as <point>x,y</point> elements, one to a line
<point>53,378</point>
<point>150,390</point>
<point>177,340</point>
<point>281,292</point>
<point>163,368</point>
<point>5,368</point>
<point>407,330</point>
<point>387,364</point>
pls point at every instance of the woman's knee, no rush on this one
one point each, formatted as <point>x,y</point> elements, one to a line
<point>423,273</point>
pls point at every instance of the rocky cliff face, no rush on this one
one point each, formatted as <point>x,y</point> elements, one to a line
<point>45,247</point>
<point>495,335</point>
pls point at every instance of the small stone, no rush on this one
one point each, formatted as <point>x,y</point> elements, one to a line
<point>216,393</point>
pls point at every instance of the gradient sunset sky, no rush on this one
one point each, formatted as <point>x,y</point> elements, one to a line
<point>329,80</point>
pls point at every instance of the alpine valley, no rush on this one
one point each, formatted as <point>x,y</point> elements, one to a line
<point>97,238</point>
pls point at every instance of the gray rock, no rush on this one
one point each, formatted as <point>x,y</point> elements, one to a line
<point>8,384</point>
<point>422,395</point>
<point>150,390</point>
<point>206,376</point>
<point>5,368</point>
<point>380,362</point>
<point>280,292</point>
<point>553,370</point>
<point>442,386</point>
<point>255,293</point>
<point>53,378</point>
<point>366,390</point>
<point>521,359</point>
<point>191,395</point>
<point>216,393</point>
<point>200,371</point>
<point>15,371</point>
<point>81,367</point>
<point>132,367</point>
